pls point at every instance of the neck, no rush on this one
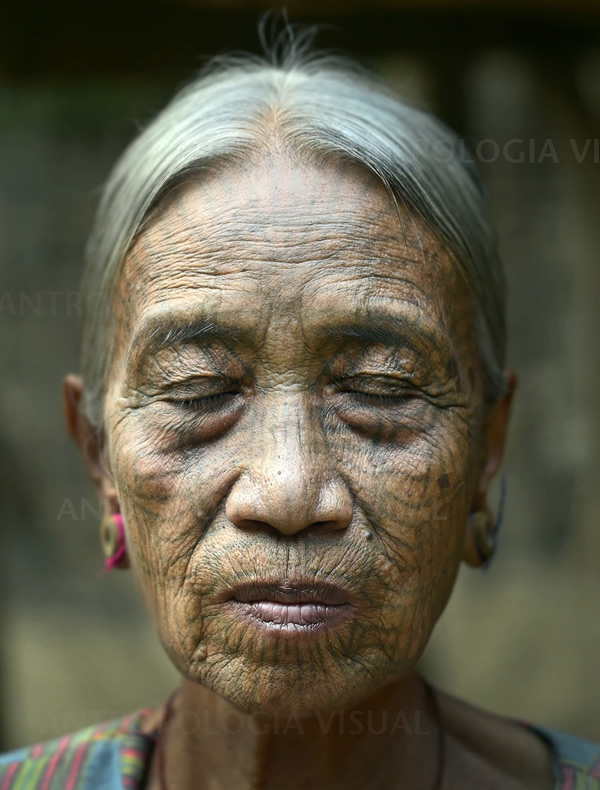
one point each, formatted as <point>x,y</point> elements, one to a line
<point>393,733</point>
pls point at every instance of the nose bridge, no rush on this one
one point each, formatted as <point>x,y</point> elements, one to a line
<point>288,482</point>
<point>289,461</point>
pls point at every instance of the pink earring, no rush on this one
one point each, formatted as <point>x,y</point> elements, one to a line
<point>112,535</point>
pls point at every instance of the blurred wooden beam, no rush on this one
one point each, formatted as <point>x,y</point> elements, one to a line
<point>169,38</point>
<point>347,6</point>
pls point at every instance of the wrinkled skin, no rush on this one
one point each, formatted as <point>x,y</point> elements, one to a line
<point>290,470</point>
<point>337,432</point>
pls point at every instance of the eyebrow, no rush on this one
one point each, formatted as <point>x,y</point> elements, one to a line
<point>167,331</point>
<point>371,333</point>
<point>390,330</point>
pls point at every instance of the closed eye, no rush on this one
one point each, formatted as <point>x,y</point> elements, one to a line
<point>378,397</point>
<point>376,390</point>
<point>206,402</point>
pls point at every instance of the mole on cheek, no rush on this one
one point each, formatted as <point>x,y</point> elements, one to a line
<point>443,481</point>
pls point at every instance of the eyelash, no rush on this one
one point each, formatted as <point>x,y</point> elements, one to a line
<point>344,387</point>
<point>214,402</point>
<point>207,402</point>
<point>374,397</point>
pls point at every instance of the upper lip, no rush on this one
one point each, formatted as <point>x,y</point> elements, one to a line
<point>301,591</point>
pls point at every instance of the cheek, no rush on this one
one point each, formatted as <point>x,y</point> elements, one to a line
<point>168,499</point>
<point>164,480</point>
<point>415,496</point>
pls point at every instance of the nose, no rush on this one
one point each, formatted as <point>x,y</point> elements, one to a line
<point>288,483</point>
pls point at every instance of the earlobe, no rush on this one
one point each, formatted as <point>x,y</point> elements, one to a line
<point>479,543</point>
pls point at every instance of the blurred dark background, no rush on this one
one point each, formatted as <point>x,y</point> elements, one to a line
<point>520,82</point>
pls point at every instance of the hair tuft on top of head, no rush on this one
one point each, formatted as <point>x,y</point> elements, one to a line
<point>286,47</point>
<point>285,44</point>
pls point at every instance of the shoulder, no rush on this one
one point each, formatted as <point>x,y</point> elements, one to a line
<point>517,753</point>
<point>113,754</point>
<point>576,760</point>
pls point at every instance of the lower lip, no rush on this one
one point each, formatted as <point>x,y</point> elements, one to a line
<point>293,618</point>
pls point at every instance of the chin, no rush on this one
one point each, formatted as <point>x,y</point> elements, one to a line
<point>301,690</point>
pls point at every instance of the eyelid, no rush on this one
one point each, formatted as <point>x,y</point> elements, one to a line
<point>381,379</point>
<point>196,403</point>
<point>211,384</point>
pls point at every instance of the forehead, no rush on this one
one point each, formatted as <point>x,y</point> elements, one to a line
<point>281,236</point>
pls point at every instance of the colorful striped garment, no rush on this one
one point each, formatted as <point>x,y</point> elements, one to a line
<point>116,755</point>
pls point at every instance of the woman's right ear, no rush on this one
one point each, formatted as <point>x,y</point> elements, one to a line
<point>88,437</point>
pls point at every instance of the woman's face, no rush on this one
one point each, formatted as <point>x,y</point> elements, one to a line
<point>295,393</point>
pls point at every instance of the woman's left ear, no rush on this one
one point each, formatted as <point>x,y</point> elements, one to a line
<point>478,537</point>
<point>89,438</point>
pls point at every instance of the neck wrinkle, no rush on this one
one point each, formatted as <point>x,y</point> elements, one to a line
<point>211,744</point>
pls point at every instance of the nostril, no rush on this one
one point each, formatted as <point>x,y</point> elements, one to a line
<point>290,507</point>
<point>256,526</point>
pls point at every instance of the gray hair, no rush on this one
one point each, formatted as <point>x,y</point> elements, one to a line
<point>324,106</point>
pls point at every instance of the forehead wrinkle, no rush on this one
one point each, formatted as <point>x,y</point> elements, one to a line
<point>235,244</point>
<point>207,201</point>
<point>301,207</point>
<point>172,256</point>
<point>194,223</point>
<point>324,284</point>
<point>255,225</point>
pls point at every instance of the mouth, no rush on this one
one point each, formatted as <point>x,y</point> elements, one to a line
<point>291,607</point>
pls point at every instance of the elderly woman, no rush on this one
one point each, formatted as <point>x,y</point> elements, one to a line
<point>292,403</point>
